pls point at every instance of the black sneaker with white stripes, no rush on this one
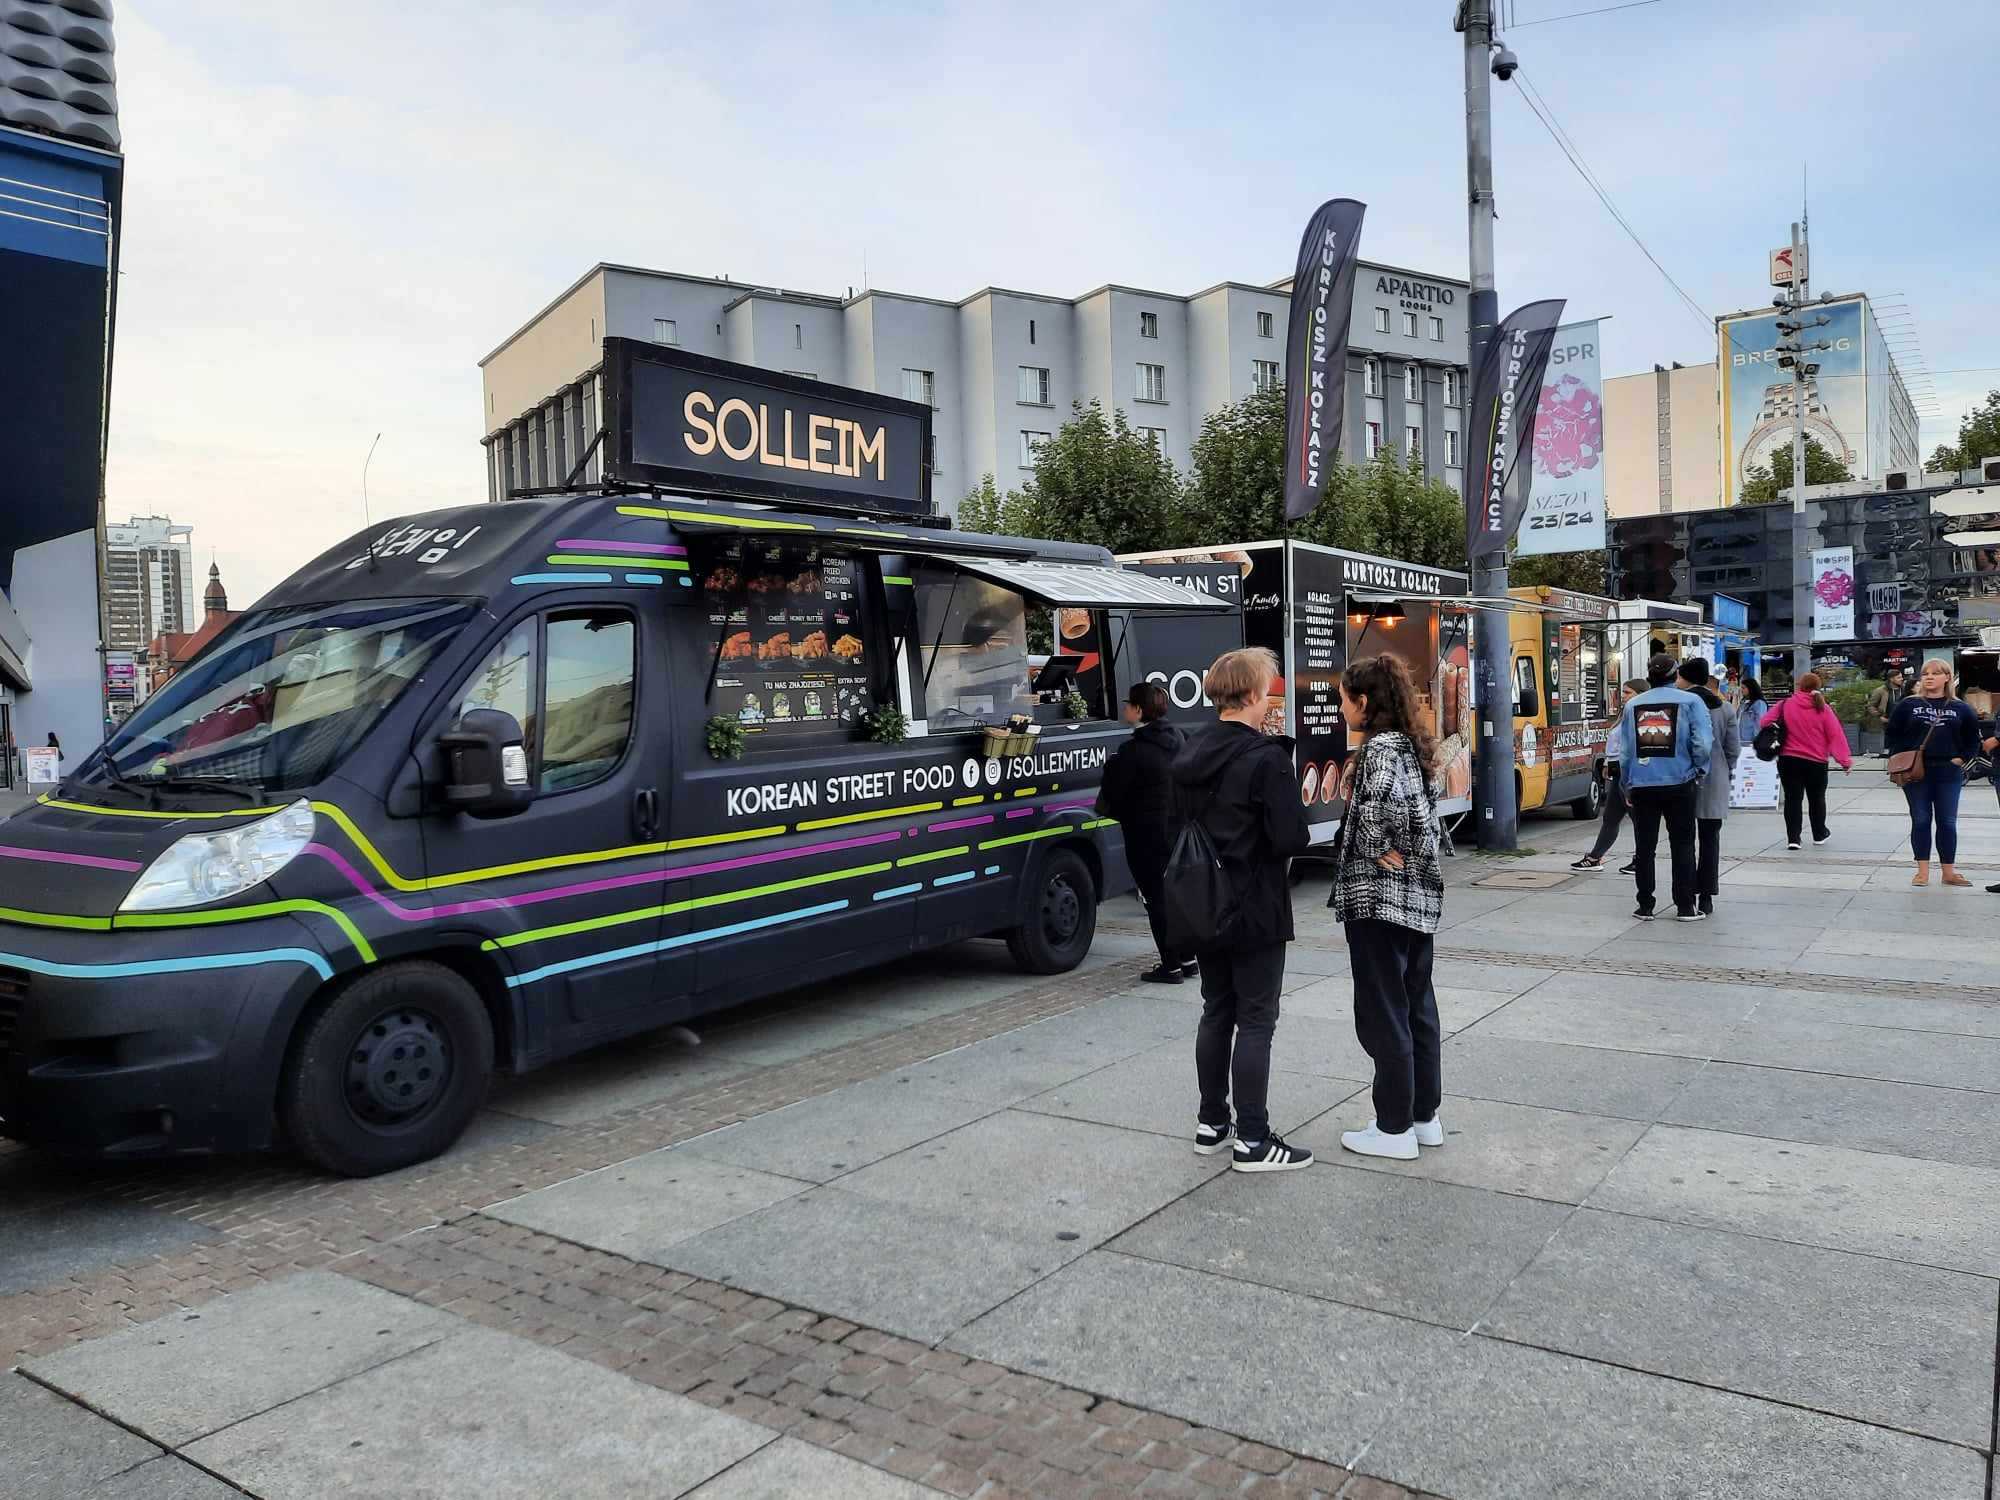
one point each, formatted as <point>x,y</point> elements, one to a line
<point>1271,1155</point>
<point>1209,1139</point>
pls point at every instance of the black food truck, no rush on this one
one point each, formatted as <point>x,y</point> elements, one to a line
<point>1317,608</point>
<point>493,784</point>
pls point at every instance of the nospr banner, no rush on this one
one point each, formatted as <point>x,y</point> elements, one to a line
<point>1566,486</point>
<point>1833,594</point>
<point>1505,390</point>
<point>1316,351</point>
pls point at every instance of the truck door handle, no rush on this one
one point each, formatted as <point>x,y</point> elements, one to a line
<point>646,812</point>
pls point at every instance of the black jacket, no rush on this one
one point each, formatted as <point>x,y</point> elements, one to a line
<point>1239,782</point>
<point>1138,790</point>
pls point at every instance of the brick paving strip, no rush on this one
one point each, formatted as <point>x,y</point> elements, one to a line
<point>963,1426</point>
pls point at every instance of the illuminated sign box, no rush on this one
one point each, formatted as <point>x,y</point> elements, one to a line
<point>685,421</point>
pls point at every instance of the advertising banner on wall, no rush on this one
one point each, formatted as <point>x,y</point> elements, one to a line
<point>1566,488</point>
<point>1505,389</point>
<point>1833,594</point>
<point>1757,394</point>
<point>1316,351</point>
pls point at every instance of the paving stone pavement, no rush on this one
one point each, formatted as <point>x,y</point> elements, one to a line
<point>1714,1218</point>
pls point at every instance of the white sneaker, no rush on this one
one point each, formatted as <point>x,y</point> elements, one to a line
<point>1372,1142</point>
<point>1430,1132</point>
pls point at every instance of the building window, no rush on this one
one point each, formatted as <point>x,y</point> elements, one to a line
<point>666,331</point>
<point>1371,377</point>
<point>1264,374</point>
<point>1413,446</point>
<point>1149,325</point>
<point>1031,330</point>
<point>1451,459</point>
<point>1437,330</point>
<point>1413,382</point>
<point>1152,382</point>
<point>1454,388</point>
<point>1409,325</point>
<point>1266,323</point>
<point>1157,436</point>
<point>1034,385</point>
<point>1381,320</point>
<point>1371,439</point>
<point>920,385</point>
<point>1031,445</point>
<point>798,335</point>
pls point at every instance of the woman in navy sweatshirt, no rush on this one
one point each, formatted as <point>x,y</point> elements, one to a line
<point>1953,738</point>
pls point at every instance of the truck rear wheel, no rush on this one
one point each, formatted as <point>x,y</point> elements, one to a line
<point>1060,919</point>
<point>388,1072</point>
<point>1591,804</point>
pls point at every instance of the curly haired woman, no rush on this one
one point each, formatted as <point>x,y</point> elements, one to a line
<point>1388,892</point>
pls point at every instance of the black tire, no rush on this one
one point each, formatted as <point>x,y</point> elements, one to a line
<point>1059,918</point>
<point>1590,805</point>
<point>389,1071</point>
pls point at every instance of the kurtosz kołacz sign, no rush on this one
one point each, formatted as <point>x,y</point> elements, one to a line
<point>687,421</point>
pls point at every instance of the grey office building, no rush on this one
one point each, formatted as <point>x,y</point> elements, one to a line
<point>1002,368</point>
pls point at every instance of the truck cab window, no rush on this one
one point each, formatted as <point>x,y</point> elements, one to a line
<point>787,645</point>
<point>973,639</point>
<point>506,681</point>
<point>1527,702</point>
<point>587,720</point>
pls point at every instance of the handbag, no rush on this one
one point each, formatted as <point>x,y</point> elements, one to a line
<point>1906,767</point>
<point>1770,741</point>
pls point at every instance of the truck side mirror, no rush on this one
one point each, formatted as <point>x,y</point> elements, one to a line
<point>486,765</point>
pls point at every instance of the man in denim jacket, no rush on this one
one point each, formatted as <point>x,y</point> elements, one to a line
<point>1665,738</point>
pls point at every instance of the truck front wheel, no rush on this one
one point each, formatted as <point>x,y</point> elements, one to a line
<point>389,1071</point>
<point>1591,804</point>
<point>1060,919</point>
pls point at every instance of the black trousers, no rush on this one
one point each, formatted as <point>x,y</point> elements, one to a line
<point>1674,806</point>
<point>1232,1050</point>
<point>1396,1020</point>
<point>1708,857</point>
<point>1802,779</point>
<point>1614,814</point>
<point>1149,874</point>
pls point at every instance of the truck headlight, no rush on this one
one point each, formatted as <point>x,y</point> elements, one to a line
<point>204,867</point>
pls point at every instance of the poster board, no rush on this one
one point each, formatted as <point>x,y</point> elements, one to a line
<point>1755,782</point>
<point>44,765</point>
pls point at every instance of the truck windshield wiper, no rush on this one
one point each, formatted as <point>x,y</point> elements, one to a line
<point>120,782</point>
<point>235,786</point>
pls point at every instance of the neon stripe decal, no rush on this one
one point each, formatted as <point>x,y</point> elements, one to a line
<point>959,878</point>
<point>562,578</point>
<point>134,812</point>
<point>992,869</point>
<point>947,827</point>
<point>54,857</point>
<point>674,908</point>
<point>645,578</point>
<point>934,854</point>
<point>170,965</point>
<point>907,583</point>
<point>655,549</point>
<point>1026,791</point>
<point>1023,838</point>
<point>55,919</point>
<point>967,801</point>
<point>899,890</point>
<point>339,919</point>
<point>1022,812</point>
<point>607,560</point>
<point>595,960</point>
<point>745,523</point>
<point>870,817</point>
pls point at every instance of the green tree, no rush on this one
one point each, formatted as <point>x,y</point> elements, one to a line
<point>1579,572</point>
<point>1978,437</point>
<point>1099,481</point>
<point>985,509</point>
<point>1762,484</point>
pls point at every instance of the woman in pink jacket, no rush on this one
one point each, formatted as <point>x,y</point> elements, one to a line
<point>1813,734</point>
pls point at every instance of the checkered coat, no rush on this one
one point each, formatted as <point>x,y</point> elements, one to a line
<point>1390,805</point>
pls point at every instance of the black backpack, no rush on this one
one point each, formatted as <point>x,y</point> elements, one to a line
<point>1770,741</point>
<point>1202,902</point>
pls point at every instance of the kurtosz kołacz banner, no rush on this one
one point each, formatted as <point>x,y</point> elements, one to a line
<point>1316,351</point>
<point>1505,390</point>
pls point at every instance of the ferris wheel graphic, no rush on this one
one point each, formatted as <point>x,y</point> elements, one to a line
<point>1774,429</point>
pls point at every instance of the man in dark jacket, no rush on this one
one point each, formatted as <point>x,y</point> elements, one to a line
<point>1138,790</point>
<point>1238,782</point>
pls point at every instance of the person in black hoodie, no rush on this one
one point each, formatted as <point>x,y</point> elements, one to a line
<point>1238,783</point>
<point>1138,790</point>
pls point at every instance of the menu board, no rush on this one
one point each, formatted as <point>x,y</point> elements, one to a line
<point>1319,653</point>
<point>791,650</point>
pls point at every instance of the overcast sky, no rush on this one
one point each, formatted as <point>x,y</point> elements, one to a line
<point>332,212</point>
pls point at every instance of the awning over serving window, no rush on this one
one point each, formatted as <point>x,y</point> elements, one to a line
<point>1080,585</point>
